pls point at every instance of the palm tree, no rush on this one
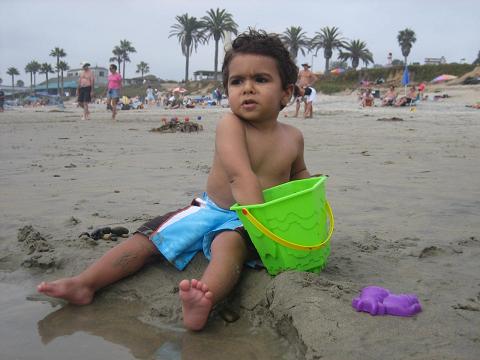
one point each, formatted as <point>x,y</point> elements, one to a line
<point>216,24</point>
<point>126,48</point>
<point>406,38</point>
<point>295,39</point>
<point>12,71</point>
<point>189,32</point>
<point>46,69</point>
<point>329,39</point>
<point>355,51</point>
<point>118,56</point>
<point>35,66</point>
<point>29,69</point>
<point>143,68</point>
<point>63,66</point>
<point>58,53</point>
<point>20,83</point>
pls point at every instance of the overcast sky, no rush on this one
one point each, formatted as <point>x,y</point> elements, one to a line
<point>89,29</point>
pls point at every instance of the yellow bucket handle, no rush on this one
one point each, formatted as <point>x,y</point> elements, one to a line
<point>286,243</point>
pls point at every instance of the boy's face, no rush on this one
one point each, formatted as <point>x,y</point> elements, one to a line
<point>255,89</point>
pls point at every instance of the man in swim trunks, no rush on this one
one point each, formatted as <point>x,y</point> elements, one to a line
<point>253,152</point>
<point>85,87</point>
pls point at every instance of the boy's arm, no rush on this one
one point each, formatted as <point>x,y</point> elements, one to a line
<point>231,149</point>
<point>299,169</point>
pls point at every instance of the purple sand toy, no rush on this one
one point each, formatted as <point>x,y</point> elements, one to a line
<point>379,301</point>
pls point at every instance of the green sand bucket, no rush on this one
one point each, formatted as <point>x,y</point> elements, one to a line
<point>289,230</point>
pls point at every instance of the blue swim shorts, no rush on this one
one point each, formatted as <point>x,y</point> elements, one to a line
<point>181,234</point>
<point>113,93</point>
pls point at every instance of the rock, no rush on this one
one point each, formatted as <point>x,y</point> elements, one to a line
<point>119,230</point>
<point>98,233</point>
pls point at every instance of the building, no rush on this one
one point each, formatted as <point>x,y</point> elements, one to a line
<point>206,75</point>
<point>100,73</point>
<point>435,61</point>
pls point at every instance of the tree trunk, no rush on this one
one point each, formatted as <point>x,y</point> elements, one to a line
<point>58,75</point>
<point>187,60</point>
<point>215,64</point>
<point>13,82</point>
<point>31,81</point>
<point>123,74</point>
<point>62,84</point>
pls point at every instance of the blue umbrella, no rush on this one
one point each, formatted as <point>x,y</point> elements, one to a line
<point>405,77</point>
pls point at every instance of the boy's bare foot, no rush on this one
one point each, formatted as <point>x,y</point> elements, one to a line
<point>197,301</point>
<point>69,289</point>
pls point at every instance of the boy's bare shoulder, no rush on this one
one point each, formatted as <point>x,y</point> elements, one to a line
<point>291,130</point>
<point>229,120</point>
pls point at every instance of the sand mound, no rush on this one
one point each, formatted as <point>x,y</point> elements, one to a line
<point>475,73</point>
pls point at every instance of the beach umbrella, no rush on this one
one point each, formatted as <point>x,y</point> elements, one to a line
<point>179,89</point>
<point>444,77</point>
<point>337,71</point>
<point>405,78</point>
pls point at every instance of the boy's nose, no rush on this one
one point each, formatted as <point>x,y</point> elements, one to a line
<point>248,87</point>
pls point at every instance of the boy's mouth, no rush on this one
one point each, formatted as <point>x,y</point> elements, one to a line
<point>249,104</point>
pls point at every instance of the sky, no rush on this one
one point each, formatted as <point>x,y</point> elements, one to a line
<point>88,30</point>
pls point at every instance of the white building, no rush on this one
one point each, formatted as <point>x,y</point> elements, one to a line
<point>435,61</point>
<point>100,73</point>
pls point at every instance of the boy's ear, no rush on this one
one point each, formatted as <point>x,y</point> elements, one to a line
<point>287,94</point>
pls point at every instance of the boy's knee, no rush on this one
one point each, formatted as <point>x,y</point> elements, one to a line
<point>228,241</point>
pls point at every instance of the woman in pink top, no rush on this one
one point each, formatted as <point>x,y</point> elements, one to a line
<point>113,89</point>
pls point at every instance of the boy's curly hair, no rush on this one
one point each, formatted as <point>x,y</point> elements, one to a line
<point>258,42</point>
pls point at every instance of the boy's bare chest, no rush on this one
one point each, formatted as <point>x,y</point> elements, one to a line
<point>271,155</point>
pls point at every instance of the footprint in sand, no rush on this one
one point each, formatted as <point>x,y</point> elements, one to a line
<point>430,251</point>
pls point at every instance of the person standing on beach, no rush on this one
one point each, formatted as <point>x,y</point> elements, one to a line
<point>113,89</point>
<point>253,152</point>
<point>306,78</point>
<point>2,100</point>
<point>85,87</point>
<point>308,94</point>
<point>150,99</point>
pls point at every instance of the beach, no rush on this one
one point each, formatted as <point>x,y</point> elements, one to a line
<point>403,184</point>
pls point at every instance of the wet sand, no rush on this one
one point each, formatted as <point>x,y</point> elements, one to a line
<point>403,185</point>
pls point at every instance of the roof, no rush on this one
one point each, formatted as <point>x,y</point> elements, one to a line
<point>53,84</point>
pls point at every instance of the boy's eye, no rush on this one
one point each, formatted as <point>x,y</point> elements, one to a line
<point>261,79</point>
<point>235,81</point>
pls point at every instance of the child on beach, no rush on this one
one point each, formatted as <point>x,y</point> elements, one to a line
<point>253,151</point>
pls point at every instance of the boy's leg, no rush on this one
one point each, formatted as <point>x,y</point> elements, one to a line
<point>228,254</point>
<point>117,263</point>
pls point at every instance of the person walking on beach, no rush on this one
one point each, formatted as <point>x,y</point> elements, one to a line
<point>86,84</point>
<point>253,151</point>
<point>113,89</point>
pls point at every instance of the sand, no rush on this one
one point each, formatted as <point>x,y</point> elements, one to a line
<point>403,184</point>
